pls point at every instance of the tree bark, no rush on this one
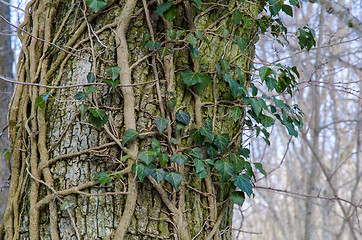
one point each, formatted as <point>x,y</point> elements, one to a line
<point>57,153</point>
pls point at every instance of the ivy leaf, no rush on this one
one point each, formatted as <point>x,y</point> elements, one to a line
<point>243,182</point>
<point>153,45</point>
<point>233,85</point>
<point>206,132</point>
<point>241,42</point>
<point>103,178</point>
<point>197,137</point>
<point>114,72</point>
<point>96,5</point>
<point>237,197</point>
<point>40,100</point>
<point>238,163</point>
<point>129,135</point>
<point>161,123</point>
<point>180,159</point>
<point>198,3</point>
<point>224,32</point>
<point>79,96</point>
<point>162,8</point>
<point>90,77</point>
<point>155,143</point>
<point>237,15</point>
<point>225,169</point>
<point>83,109</point>
<point>141,169</point>
<point>113,84</point>
<point>196,152</point>
<point>175,178</point>
<point>199,80</point>
<point>158,174</point>
<point>65,205</point>
<point>90,89</point>
<point>259,166</point>
<point>171,104</point>
<point>183,117</point>
<point>211,150</point>
<point>221,141</point>
<point>163,159</point>
<point>147,156</point>
<point>255,105</point>
<point>236,113</point>
<point>266,120</point>
<point>275,7</point>
<point>199,165</point>
<point>287,9</point>
<point>98,117</point>
<point>169,15</point>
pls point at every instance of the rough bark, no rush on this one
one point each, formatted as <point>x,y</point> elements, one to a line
<point>57,153</point>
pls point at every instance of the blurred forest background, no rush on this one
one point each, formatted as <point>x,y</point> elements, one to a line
<point>313,189</point>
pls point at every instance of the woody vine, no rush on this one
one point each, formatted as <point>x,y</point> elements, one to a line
<point>203,110</point>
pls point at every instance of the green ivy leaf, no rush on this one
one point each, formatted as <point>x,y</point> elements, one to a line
<point>175,178</point>
<point>113,84</point>
<point>171,104</point>
<point>175,141</point>
<point>259,166</point>
<point>40,100</point>
<point>90,89</point>
<point>237,197</point>
<point>206,132</point>
<point>191,39</point>
<point>245,152</point>
<point>129,135</point>
<point>155,143</point>
<point>65,205</point>
<point>163,159</point>
<point>169,15</point>
<point>221,141</point>
<point>79,96</point>
<point>233,85</point>
<point>153,45</point>
<point>238,16</point>
<point>199,80</point>
<point>158,174</point>
<point>114,72</point>
<point>6,152</point>
<point>197,137</point>
<point>96,5</point>
<point>236,113</point>
<point>275,6</point>
<point>243,182</point>
<point>255,105</point>
<point>183,117</point>
<point>266,120</point>
<point>224,32</point>
<point>147,156</point>
<point>238,162</point>
<point>225,169</point>
<point>241,42</point>
<point>287,9</point>
<point>211,150</point>
<point>162,8</point>
<point>103,178</point>
<point>98,117</point>
<point>196,153</point>
<point>199,165</point>
<point>198,3</point>
<point>161,123</point>
<point>141,169</point>
<point>199,35</point>
<point>83,109</point>
<point>180,159</point>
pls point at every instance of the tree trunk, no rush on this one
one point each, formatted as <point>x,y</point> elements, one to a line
<point>56,151</point>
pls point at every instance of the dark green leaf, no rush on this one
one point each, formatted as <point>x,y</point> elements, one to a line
<point>264,72</point>
<point>179,158</point>
<point>158,174</point>
<point>241,42</point>
<point>221,141</point>
<point>236,113</point>
<point>83,109</point>
<point>129,135</point>
<point>197,137</point>
<point>194,51</point>
<point>211,150</point>
<point>255,105</point>
<point>169,15</point>
<point>183,117</point>
<point>141,169</point>
<point>238,16</point>
<point>198,3</point>
<point>259,166</point>
<point>90,77</point>
<point>171,104</point>
<point>238,162</point>
<point>6,152</point>
<point>162,8</point>
<point>266,120</point>
<point>114,72</point>
<point>153,45</point>
<point>243,182</point>
<point>161,123</point>
<point>98,117</point>
<point>67,204</point>
<point>224,32</point>
<point>254,90</point>
<point>96,5</point>
<point>208,123</point>
<point>199,165</point>
<point>175,141</point>
<point>79,96</point>
<point>237,197</point>
<point>163,158</point>
<point>191,39</point>
<point>111,83</point>
<point>147,156</point>
<point>202,174</point>
<point>245,152</point>
<point>288,10</point>
<point>40,100</point>
<point>206,132</point>
<point>225,169</point>
<point>199,35</point>
<point>233,85</point>
<point>225,65</point>
<point>275,6</point>
<point>200,80</point>
<point>175,178</point>
<point>103,178</point>
<point>294,3</point>
<point>196,153</point>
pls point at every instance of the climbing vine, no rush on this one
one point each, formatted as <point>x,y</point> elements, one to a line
<point>204,95</point>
